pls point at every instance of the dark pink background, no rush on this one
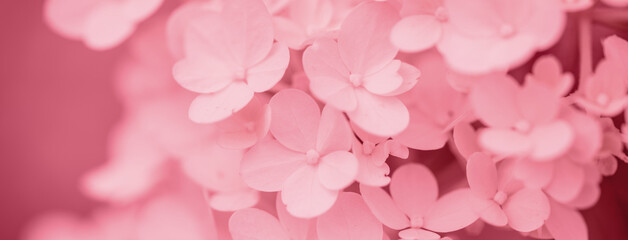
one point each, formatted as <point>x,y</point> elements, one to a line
<point>57,106</point>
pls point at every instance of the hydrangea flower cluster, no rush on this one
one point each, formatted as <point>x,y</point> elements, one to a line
<point>307,119</point>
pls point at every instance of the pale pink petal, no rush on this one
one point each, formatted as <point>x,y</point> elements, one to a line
<point>494,102</point>
<point>329,78</point>
<point>616,3</point>
<point>527,209</point>
<point>410,75</point>
<point>414,189</point>
<point>178,22</point>
<point>349,219</point>
<point>245,127</point>
<point>297,228</point>
<point>493,214</point>
<point>616,49</point>
<point>420,234</point>
<point>422,132</point>
<point>255,224</point>
<point>268,164</point>
<point>214,167</point>
<point>551,140</point>
<point>138,10</point>
<point>364,41</point>
<point>383,207</point>
<point>416,33</point>
<point>295,119</point>
<point>382,116</point>
<point>548,71</point>
<point>465,138</point>
<point>334,132</point>
<point>482,175</point>
<point>384,81</point>
<point>504,141</point>
<point>203,74</point>
<point>537,104</point>
<point>247,28</point>
<point>588,196</point>
<point>567,182</point>
<point>587,136</point>
<point>67,17</point>
<point>565,223</point>
<point>233,201</point>
<point>289,32</point>
<point>372,171</point>
<point>264,75</point>
<point>213,107</point>
<point>451,212</point>
<point>534,174</point>
<point>397,149</point>
<point>337,170</point>
<point>477,18</point>
<point>105,28</point>
<point>204,36</point>
<point>305,196</point>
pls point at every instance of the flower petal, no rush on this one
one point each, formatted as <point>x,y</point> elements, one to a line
<point>295,119</point>
<point>527,209</point>
<point>451,212</point>
<point>297,228</point>
<point>233,201</point>
<point>565,223</point>
<point>203,74</point>
<point>334,132</point>
<point>268,164</point>
<point>414,189</point>
<point>247,30</point>
<point>482,175</point>
<point>255,224</point>
<point>305,196</point>
<point>382,116</point>
<point>211,108</point>
<point>337,170</point>
<point>363,39</point>
<point>383,207</point>
<point>493,101</point>
<point>349,219</point>
<point>264,75</point>
<point>416,33</point>
<point>504,141</point>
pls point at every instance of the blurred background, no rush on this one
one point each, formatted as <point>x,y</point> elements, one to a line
<point>57,106</point>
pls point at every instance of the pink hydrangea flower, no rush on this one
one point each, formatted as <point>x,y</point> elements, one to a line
<point>309,161</point>
<point>499,200</point>
<point>548,72</point>
<point>228,57</point>
<point>421,26</point>
<point>434,106</point>
<point>253,223</point>
<point>523,121</point>
<point>101,24</point>
<point>605,92</point>
<point>413,205</point>
<point>304,20</point>
<point>492,35</point>
<point>358,74</point>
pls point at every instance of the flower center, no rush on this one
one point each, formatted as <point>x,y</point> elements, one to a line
<point>500,197</point>
<point>312,157</point>
<point>416,222</point>
<point>355,79</point>
<point>602,99</point>
<point>368,147</point>
<point>441,14</point>
<point>522,126</point>
<point>507,30</point>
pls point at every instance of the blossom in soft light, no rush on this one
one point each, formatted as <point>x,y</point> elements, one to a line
<point>491,35</point>
<point>358,74</point>
<point>228,57</point>
<point>413,205</point>
<point>101,24</point>
<point>523,121</point>
<point>434,106</point>
<point>548,72</point>
<point>309,162</point>
<point>421,25</point>
<point>499,200</point>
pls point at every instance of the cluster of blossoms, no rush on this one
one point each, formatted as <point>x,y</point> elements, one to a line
<point>305,119</point>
